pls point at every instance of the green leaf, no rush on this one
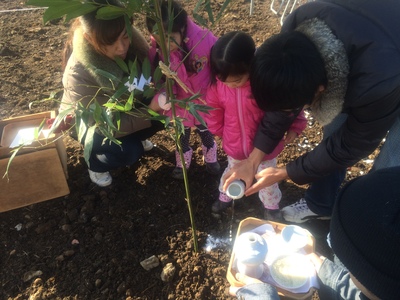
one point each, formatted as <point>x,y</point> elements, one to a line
<point>71,7</point>
<point>110,12</point>
<point>193,111</point>
<point>180,127</point>
<point>146,68</point>
<point>120,62</point>
<point>209,12</point>
<point>48,3</point>
<point>128,26</point>
<point>148,93</point>
<point>202,107</point>
<point>109,136</point>
<point>222,10</point>
<point>117,119</point>
<point>200,19</point>
<point>157,75</point>
<point>83,10</point>
<point>60,117</point>
<point>14,153</point>
<point>135,5</point>
<point>108,120</point>
<point>106,74</point>
<point>118,93</point>
<point>134,70</point>
<point>88,144</point>
<point>129,103</point>
<point>97,113</point>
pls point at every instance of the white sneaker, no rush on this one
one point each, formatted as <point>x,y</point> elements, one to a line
<point>299,212</point>
<point>147,145</point>
<point>101,179</point>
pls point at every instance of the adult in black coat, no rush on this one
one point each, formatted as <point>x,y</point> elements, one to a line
<point>340,58</point>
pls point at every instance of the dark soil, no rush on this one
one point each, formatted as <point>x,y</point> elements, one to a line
<point>89,244</point>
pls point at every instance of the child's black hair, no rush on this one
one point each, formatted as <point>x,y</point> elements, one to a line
<point>231,55</point>
<point>179,24</point>
<point>286,72</point>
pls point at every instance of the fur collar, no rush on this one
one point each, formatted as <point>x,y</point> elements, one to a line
<point>93,61</point>
<point>334,55</point>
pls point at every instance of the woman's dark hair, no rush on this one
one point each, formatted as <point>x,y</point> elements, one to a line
<point>232,55</point>
<point>286,72</point>
<point>179,25</point>
<point>101,32</point>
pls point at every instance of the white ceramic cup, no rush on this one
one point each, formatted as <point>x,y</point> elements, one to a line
<point>236,189</point>
<point>294,237</point>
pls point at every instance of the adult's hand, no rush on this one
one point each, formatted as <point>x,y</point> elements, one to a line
<point>243,279</point>
<point>267,177</point>
<point>316,260</point>
<point>245,170</point>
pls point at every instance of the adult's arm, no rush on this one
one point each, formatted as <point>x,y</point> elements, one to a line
<point>272,128</point>
<point>336,282</point>
<point>253,289</point>
<point>258,291</point>
<point>358,137</point>
<point>270,132</point>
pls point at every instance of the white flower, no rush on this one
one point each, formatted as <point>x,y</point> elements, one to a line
<point>137,86</point>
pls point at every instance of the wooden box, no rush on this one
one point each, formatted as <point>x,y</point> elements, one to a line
<point>251,223</point>
<point>38,172</point>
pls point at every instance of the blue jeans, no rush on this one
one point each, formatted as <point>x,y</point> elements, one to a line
<point>107,156</point>
<point>321,194</point>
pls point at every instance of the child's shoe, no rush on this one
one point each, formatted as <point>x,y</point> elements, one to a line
<point>274,215</point>
<point>210,159</point>
<point>220,206</point>
<point>177,173</point>
<point>101,179</point>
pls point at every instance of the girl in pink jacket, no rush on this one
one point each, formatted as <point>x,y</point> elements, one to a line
<point>236,115</point>
<point>194,71</point>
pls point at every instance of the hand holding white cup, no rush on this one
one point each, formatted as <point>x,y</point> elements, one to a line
<point>236,189</point>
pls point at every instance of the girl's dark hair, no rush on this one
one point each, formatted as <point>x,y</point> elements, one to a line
<point>286,72</point>
<point>101,32</point>
<point>178,15</point>
<point>179,25</point>
<point>232,55</point>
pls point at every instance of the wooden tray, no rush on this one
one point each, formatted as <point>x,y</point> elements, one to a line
<point>251,223</point>
<point>10,131</point>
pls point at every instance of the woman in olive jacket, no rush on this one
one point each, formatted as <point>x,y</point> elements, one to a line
<point>92,46</point>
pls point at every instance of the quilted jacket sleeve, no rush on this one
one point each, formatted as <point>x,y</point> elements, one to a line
<point>215,117</point>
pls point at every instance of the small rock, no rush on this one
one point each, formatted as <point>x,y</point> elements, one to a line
<point>98,237</point>
<point>42,228</point>
<point>66,228</point>
<point>31,274</point>
<point>121,288</point>
<point>69,252</point>
<point>73,214</point>
<point>150,263</point>
<point>168,272</point>
<point>29,225</point>
<point>38,282</point>
<point>98,283</point>
<point>60,258</point>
